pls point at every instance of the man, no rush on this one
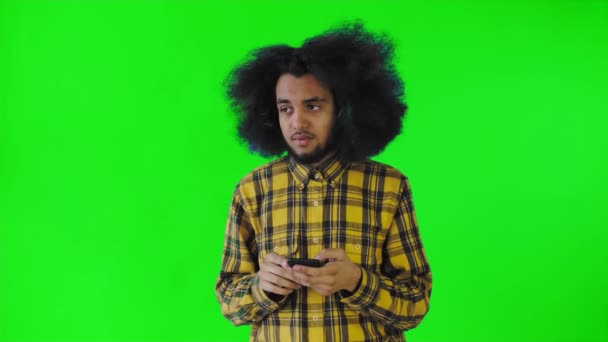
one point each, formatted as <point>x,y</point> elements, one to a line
<point>330,104</point>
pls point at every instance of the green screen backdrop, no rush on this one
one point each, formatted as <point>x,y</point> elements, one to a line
<point>118,158</point>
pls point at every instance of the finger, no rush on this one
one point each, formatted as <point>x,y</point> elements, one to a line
<point>275,259</point>
<point>281,271</point>
<point>269,287</point>
<point>278,280</point>
<point>325,282</point>
<point>275,264</point>
<point>304,274</point>
<point>309,271</point>
<point>332,253</point>
<point>323,290</point>
<point>301,279</point>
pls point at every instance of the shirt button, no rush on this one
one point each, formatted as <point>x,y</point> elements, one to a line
<point>332,184</point>
<point>315,318</point>
<point>357,246</point>
<point>315,240</point>
<point>301,186</point>
<point>277,248</point>
<point>315,203</point>
<point>317,175</point>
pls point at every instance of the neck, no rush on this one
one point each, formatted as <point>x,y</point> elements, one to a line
<point>328,156</point>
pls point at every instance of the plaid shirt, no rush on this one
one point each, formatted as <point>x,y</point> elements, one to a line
<point>364,208</point>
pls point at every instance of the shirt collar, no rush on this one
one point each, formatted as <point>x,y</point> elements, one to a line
<point>331,170</point>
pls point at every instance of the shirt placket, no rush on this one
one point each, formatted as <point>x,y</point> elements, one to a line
<point>315,214</point>
<point>315,196</point>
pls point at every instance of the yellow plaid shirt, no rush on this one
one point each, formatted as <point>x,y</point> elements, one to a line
<point>364,208</point>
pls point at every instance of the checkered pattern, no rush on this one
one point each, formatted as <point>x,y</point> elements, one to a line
<point>364,208</point>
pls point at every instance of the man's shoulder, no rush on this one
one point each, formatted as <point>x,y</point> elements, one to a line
<point>375,168</point>
<point>266,171</point>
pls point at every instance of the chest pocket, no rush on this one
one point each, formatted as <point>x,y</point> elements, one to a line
<point>280,242</point>
<point>365,251</point>
<point>353,250</point>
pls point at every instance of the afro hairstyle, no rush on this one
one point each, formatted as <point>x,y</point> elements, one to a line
<point>354,64</point>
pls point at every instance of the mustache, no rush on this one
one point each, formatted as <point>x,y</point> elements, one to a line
<point>302,134</point>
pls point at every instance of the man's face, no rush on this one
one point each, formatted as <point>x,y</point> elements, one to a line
<point>306,116</point>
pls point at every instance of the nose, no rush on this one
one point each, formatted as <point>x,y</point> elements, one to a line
<point>299,121</point>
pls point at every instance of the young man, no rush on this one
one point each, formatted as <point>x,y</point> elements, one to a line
<point>330,104</point>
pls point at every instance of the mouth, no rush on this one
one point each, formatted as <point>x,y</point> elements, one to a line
<point>301,139</point>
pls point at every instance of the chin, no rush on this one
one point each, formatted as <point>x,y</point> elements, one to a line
<point>309,157</point>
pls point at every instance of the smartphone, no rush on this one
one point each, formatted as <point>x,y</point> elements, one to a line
<point>305,262</point>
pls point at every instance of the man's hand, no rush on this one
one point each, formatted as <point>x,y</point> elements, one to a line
<point>275,276</point>
<point>338,274</point>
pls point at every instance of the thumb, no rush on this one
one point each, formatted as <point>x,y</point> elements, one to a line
<point>331,253</point>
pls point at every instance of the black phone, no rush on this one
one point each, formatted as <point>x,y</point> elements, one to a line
<point>305,262</point>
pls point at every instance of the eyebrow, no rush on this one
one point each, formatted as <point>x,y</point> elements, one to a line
<point>312,99</point>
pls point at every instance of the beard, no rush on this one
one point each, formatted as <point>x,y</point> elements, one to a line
<point>318,154</point>
<point>310,158</point>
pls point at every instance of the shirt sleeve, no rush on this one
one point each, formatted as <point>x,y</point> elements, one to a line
<point>237,289</point>
<point>399,295</point>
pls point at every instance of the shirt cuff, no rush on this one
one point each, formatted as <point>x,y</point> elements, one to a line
<point>365,295</point>
<point>263,300</point>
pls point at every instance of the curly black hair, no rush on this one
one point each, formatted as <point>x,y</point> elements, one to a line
<point>354,64</point>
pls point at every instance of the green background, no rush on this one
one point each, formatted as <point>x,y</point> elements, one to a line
<point>118,158</point>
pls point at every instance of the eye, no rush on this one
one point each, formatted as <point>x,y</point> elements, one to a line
<point>312,107</point>
<point>285,109</point>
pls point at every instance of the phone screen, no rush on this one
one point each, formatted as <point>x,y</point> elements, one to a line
<point>305,262</point>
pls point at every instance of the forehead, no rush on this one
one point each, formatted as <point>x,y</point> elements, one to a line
<point>305,86</point>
